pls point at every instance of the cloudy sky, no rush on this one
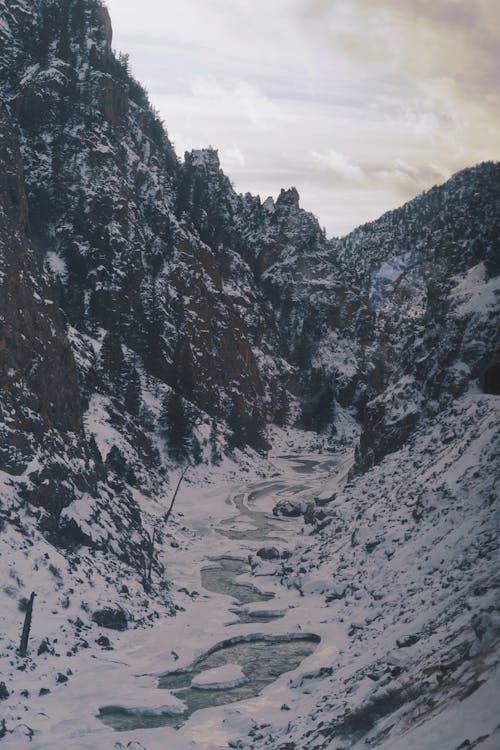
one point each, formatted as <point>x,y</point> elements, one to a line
<point>361,104</point>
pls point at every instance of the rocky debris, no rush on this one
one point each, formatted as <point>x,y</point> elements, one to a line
<point>290,508</point>
<point>112,618</point>
<point>335,593</point>
<point>314,514</point>
<point>45,648</point>
<point>268,553</point>
<point>104,642</point>
<point>407,641</point>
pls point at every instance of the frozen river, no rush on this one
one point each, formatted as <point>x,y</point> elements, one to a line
<point>258,658</point>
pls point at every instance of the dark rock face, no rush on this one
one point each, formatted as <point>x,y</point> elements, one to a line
<point>491,379</point>
<point>42,436</point>
<point>289,508</point>
<point>429,337</point>
<point>38,377</point>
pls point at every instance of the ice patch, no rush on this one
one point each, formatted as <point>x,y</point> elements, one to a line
<point>220,678</point>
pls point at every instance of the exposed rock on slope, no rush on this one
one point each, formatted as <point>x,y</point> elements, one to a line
<point>172,281</point>
<point>135,240</point>
<point>47,463</point>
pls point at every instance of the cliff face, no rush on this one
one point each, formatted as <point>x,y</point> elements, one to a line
<point>38,377</point>
<point>50,466</point>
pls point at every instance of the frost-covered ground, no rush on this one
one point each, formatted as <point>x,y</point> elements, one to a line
<point>396,572</point>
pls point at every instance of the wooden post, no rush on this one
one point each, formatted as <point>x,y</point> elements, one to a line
<point>151,555</point>
<point>27,626</point>
<point>169,511</point>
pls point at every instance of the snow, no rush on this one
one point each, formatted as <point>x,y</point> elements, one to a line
<point>110,678</point>
<point>395,571</point>
<point>389,272</point>
<point>477,717</point>
<point>55,263</point>
<point>474,294</point>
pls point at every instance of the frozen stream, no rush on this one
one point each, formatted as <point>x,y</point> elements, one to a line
<point>262,660</point>
<point>259,658</point>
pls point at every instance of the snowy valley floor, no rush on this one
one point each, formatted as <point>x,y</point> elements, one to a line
<point>397,574</point>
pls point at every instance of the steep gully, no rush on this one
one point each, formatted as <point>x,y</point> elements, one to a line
<point>260,657</point>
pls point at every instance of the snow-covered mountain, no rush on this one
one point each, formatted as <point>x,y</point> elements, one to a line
<point>151,317</point>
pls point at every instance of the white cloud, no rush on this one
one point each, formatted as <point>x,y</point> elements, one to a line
<point>339,164</point>
<point>360,105</point>
<point>233,157</point>
<point>239,100</point>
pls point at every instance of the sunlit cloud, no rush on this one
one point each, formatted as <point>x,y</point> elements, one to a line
<point>338,164</point>
<point>360,104</point>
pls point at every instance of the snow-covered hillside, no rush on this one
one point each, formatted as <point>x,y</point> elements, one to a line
<point>153,320</point>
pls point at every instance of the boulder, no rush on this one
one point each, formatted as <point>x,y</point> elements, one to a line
<point>109,617</point>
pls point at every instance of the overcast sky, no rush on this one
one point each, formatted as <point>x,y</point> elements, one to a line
<point>361,104</point>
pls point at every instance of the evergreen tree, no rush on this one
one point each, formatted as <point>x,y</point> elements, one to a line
<point>281,408</point>
<point>324,408</point>
<point>63,45</point>
<point>176,426</point>
<point>255,432</point>
<point>196,451</point>
<point>184,369</point>
<point>234,421</point>
<point>215,456</point>
<point>78,19</point>
<point>153,343</point>
<point>133,392</point>
<point>119,466</point>
<point>318,403</point>
<point>116,462</point>
<point>111,362</point>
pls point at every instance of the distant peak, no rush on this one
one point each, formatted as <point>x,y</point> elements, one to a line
<point>289,197</point>
<point>203,157</point>
<point>268,205</point>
